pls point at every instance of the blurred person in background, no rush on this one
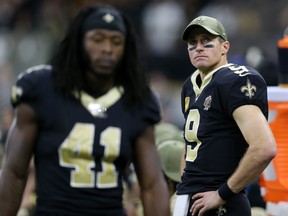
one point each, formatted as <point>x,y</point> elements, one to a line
<point>228,139</point>
<point>256,58</point>
<point>170,145</point>
<point>162,50</point>
<point>85,117</point>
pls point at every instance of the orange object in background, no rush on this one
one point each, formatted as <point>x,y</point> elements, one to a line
<point>274,179</point>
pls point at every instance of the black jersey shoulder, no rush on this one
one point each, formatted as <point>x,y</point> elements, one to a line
<point>152,110</point>
<point>234,73</point>
<point>241,85</point>
<point>31,83</point>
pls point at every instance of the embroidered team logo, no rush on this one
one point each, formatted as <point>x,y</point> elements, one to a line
<point>200,20</point>
<point>16,93</point>
<point>187,100</point>
<point>249,89</point>
<point>108,18</point>
<point>207,103</point>
<point>221,211</point>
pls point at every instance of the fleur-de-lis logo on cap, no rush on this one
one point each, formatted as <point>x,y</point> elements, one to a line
<point>249,89</point>
<point>108,18</point>
<point>200,20</point>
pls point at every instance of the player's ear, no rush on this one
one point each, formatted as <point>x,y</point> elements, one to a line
<point>225,47</point>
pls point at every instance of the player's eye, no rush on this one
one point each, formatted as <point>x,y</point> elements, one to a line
<point>117,41</point>
<point>192,44</point>
<point>191,47</point>
<point>96,38</point>
<point>206,40</point>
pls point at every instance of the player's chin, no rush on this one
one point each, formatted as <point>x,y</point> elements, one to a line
<point>103,71</point>
<point>202,66</point>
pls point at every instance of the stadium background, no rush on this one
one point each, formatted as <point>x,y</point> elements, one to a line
<point>31,29</point>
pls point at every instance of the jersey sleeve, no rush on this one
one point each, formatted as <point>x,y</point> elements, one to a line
<point>151,113</point>
<point>26,88</point>
<point>246,89</point>
<point>186,90</point>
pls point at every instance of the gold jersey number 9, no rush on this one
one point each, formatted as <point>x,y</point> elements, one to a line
<point>191,130</point>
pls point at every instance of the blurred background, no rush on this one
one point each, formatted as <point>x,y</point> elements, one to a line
<point>31,29</point>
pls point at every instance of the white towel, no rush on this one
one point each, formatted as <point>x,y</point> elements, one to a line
<point>181,205</point>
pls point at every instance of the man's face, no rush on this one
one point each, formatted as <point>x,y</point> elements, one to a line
<point>104,49</point>
<point>206,50</point>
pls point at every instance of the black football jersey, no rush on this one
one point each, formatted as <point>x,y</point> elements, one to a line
<point>83,146</point>
<point>214,143</point>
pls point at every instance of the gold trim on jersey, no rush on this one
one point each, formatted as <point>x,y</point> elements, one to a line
<point>205,81</point>
<point>98,106</point>
<point>187,101</point>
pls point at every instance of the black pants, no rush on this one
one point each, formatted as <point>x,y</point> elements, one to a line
<point>238,206</point>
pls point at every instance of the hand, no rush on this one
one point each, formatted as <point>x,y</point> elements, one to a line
<point>206,201</point>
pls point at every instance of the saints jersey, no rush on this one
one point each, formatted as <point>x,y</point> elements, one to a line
<point>83,146</point>
<point>214,143</point>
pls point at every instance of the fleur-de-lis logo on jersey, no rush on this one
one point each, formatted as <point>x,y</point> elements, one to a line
<point>221,211</point>
<point>207,102</point>
<point>16,93</point>
<point>108,18</point>
<point>249,89</point>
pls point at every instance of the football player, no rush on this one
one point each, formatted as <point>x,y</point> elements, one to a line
<point>228,139</point>
<point>85,116</point>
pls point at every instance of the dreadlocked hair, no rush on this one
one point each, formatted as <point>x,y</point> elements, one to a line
<point>69,65</point>
<point>131,74</point>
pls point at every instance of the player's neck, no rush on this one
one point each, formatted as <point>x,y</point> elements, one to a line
<point>99,83</point>
<point>205,71</point>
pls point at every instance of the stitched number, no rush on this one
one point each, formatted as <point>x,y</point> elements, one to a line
<point>110,139</point>
<point>76,153</point>
<point>191,130</point>
<point>240,70</point>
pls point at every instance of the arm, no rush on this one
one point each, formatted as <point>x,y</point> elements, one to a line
<point>28,195</point>
<point>154,190</point>
<point>261,150</point>
<point>20,145</point>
